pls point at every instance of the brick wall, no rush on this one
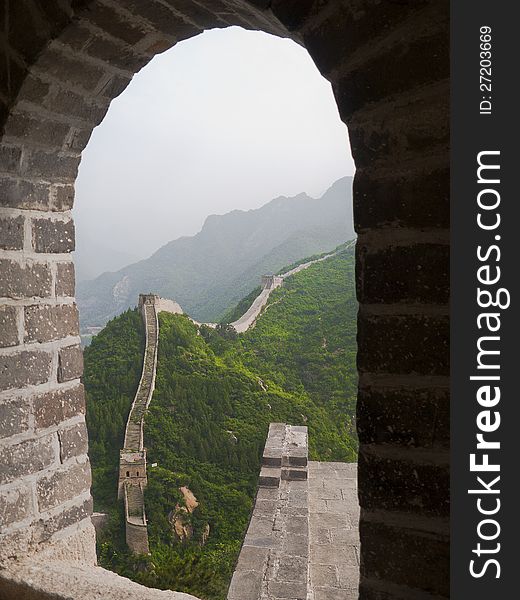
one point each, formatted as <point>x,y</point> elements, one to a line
<point>388,64</point>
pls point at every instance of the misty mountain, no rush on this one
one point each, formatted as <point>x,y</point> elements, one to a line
<point>212,270</point>
<point>92,258</point>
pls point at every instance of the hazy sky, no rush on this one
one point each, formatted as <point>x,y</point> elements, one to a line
<point>228,119</point>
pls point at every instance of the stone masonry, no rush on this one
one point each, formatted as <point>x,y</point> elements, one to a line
<point>132,458</point>
<point>303,538</point>
<point>62,62</point>
<point>273,562</point>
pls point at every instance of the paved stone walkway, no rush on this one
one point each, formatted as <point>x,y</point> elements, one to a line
<point>303,539</point>
<point>333,531</point>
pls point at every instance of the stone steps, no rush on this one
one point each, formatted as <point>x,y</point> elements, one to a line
<point>134,498</point>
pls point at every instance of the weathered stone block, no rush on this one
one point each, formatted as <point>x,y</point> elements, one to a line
<point>269,477</point>
<point>404,486</point>
<point>408,417</point>
<point>11,233</point>
<point>75,37</point>
<point>59,405</point>
<point>412,344</point>
<point>298,525</point>
<point>47,525</point>
<point>53,236</point>
<point>70,363</point>
<point>27,457</point>
<point>63,197</point>
<point>70,70</point>
<point>44,323</point>
<point>14,416</point>
<point>413,274</point>
<point>68,103</point>
<point>245,585</point>
<point>65,280</point>
<point>17,193</point>
<point>8,326</point>
<point>113,23</point>
<point>296,545</point>
<point>51,166</point>
<point>288,590</point>
<point>294,474</point>
<point>292,568</point>
<point>34,89</point>
<point>115,86</point>
<point>40,131</point>
<point>63,485</point>
<point>24,368</point>
<point>10,157</point>
<point>115,55</point>
<point>203,17</point>
<point>272,457</point>
<point>381,75</point>
<point>406,557</point>
<point>73,441</point>
<point>30,280</point>
<point>15,505</point>
<point>252,558</point>
<point>162,18</point>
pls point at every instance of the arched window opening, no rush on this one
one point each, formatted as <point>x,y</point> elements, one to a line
<point>240,124</point>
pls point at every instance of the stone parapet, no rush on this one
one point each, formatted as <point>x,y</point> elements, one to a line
<point>273,562</point>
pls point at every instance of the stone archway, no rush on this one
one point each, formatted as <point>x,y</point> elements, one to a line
<point>63,61</point>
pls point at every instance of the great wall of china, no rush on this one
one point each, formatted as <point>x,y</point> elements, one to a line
<point>302,540</point>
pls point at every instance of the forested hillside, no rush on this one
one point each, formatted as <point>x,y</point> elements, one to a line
<point>216,394</point>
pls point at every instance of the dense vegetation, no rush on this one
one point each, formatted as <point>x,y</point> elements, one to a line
<point>113,364</point>
<point>216,394</point>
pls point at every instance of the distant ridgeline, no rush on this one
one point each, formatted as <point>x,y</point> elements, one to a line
<point>215,394</point>
<point>212,270</point>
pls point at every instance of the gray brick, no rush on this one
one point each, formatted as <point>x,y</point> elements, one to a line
<point>10,157</point>
<point>111,22</point>
<point>53,236</point>
<point>252,558</point>
<point>23,369</point>
<point>245,585</point>
<point>65,280</point>
<point>18,193</point>
<point>51,166</point>
<point>292,569</point>
<point>290,590</point>
<point>47,526</point>
<point>8,327</point>
<point>63,485</point>
<point>15,505</point>
<point>71,70</point>
<point>45,323</point>
<point>14,416</point>
<point>70,363</point>
<point>30,280</point>
<point>63,197</point>
<point>73,441</point>
<point>38,130</point>
<point>27,457</point>
<point>71,104</point>
<point>51,408</point>
<point>11,233</point>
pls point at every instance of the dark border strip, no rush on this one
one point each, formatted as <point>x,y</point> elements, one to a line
<point>484,124</point>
